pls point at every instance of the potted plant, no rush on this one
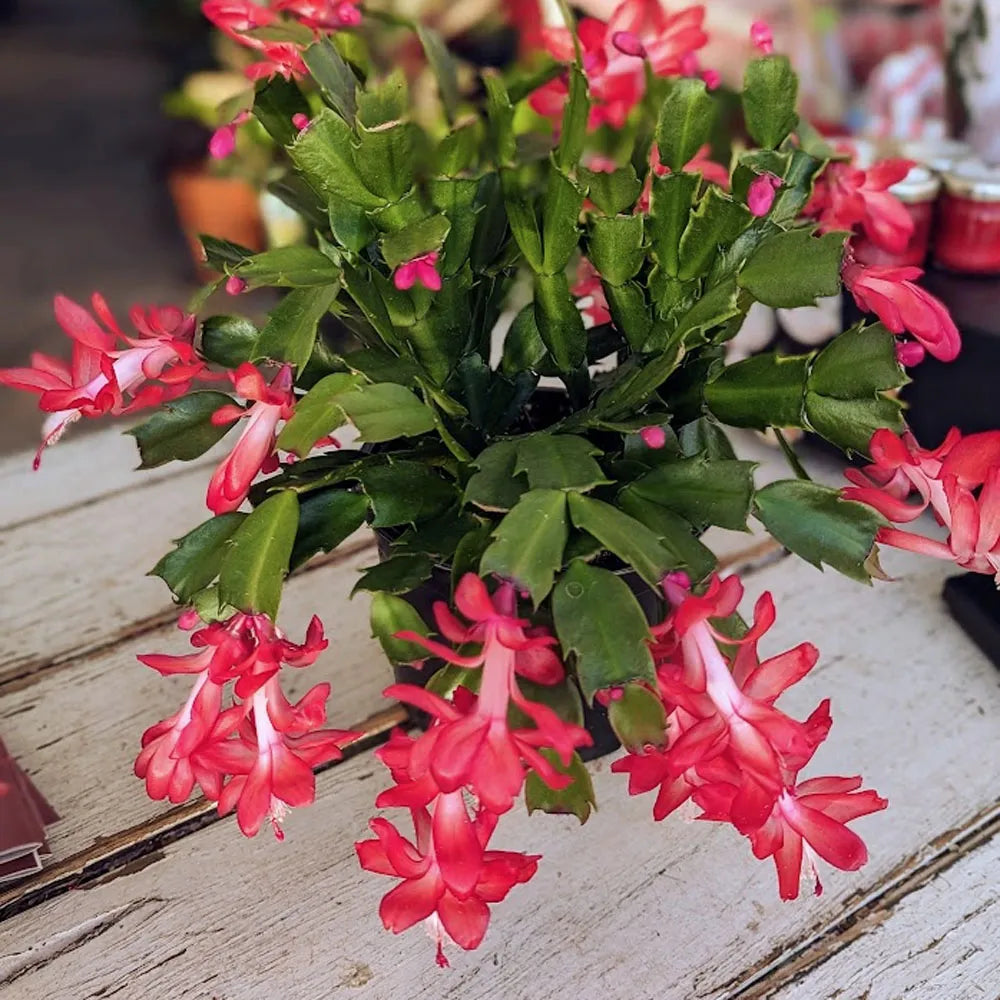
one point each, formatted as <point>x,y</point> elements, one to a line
<point>540,493</point>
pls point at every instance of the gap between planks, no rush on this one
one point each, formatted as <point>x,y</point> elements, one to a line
<point>127,850</point>
<point>791,965</point>
<point>29,673</point>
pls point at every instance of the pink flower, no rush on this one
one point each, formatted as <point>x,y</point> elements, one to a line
<point>254,452</point>
<point>321,14</point>
<point>761,37</point>
<point>727,746</point>
<point>425,893</point>
<point>280,59</point>
<point>236,17</point>
<point>588,287</point>
<point>422,269</point>
<point>235,285</point>
<point>808,818</point>
<point>639,31</point>
<point>847,199</point>
<point>471,743</point>
<point>959,481</point>
<point>902,306</point>
<point>257,755</point>
<point>301,121</point>
<point>761,194</point>
<point>157,365</point>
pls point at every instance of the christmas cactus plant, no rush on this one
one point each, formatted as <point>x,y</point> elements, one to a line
<point>542,272</point>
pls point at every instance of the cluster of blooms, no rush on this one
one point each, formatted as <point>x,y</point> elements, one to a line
<point>466,770</point>
<point>241,20</point>
<point>959,481</point>
<point>615,55</point>
<point>257,755</point>
<point>853,200</point>
<point>158,364</point>
<point>732,752</point>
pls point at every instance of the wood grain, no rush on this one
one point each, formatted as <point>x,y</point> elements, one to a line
<point>77,729</point>
<point>672,911</point>
<point>942,941</point>
<point>77,472</point>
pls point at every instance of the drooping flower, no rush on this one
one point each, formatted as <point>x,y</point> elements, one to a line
<point>727,746</point>
<point>847,199</point>
<point>257,755</point>
<point>254,452</point>
<point>615,54</point>
<point>808,819</point>
<point>472,743</point>
<point>422,269</point>
<point>158,364</point>
<point>959,481</point>
<point>761,193</point>
<point>903,306</point>
<point>321,14</point>
<point>424,893</point>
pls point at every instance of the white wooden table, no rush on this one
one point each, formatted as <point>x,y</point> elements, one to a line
<point>144,900</point>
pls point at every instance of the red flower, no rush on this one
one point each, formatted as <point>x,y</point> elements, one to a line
<point>902,306</point>
<point>254,452</point>
<point>848,199</point>
<point>807,817</point>
<point>257,755</point>
<point>158,365</point>
<point>471,743</point>
<point>615,55</point>
<point>320,14</point>
<point>959,481</point>
<point>728,747</point>
<point>487,876</point>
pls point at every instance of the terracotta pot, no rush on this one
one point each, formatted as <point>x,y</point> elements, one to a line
<point>226,207</point>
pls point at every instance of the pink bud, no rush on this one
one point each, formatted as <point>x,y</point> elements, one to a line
<point>760,196</point>
<point>712,78</point>
<point>760,35</point>
<point>300,121</point>
<point>628,44</point>
<point>653,436</point>
<point>348,15</point>
<point>235,285</point>
<point>223,142</point>
<point>188,619</point>
<point>422,269</point>
<point>909,353</point>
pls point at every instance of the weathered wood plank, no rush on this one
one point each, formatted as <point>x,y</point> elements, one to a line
<point>77,730</point>
<point>74,580</point>
<point>941,941</point>
<point>671,910</point>
<point>78,471</point>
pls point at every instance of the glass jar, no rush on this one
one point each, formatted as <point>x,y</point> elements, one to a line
<point>967,239</point>
<point>936,154</point>
<point>918,191</point>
